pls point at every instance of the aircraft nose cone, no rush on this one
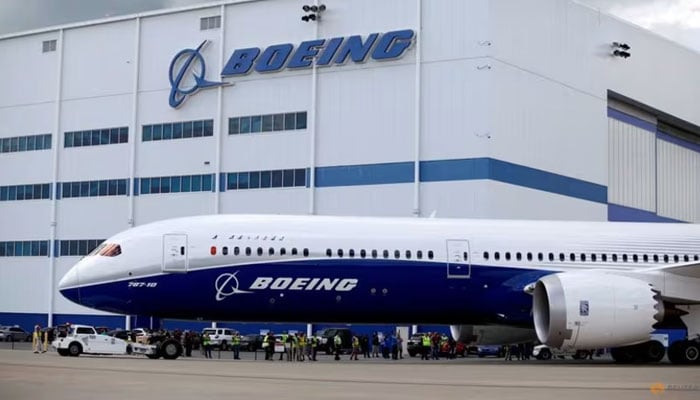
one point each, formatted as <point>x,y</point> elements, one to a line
<point>68,286</point>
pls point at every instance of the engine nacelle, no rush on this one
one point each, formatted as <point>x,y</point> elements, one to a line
<point>588,310</point>
<point>491,334</point>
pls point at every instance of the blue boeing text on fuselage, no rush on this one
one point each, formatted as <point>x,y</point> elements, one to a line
<point>321,52</point>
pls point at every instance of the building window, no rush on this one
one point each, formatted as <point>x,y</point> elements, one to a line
<point>39,191</point>
<point>26,248</point>
<point>176,184</point>
<point>25,143</point>
<point>266,179</point>
<point>177,130</point>
<point>48,46</point>
<point>96,137</point>
<point>210,23</point>
<point>107,187</point>
<point>267,123</point>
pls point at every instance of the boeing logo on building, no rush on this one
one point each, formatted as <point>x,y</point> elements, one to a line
<point>181,83</point>
<point>319,52</point>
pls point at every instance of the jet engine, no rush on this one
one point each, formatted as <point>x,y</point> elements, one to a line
<point>491,334</point>
<point>587,310</point>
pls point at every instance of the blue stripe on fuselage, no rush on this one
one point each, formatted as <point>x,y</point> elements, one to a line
<point>399,291</point>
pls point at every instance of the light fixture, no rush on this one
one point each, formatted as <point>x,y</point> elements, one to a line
<point>621,50</point>
<point>314,12</point>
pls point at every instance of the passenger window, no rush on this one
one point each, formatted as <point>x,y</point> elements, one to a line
<point>351,253</point>
<point>236,251</point>
<point>656,258</point>
<point>294,251</point>
<point>593,257</point>
<point>614,257</point>
<point>604,257</point>
<point>363,253</point>
<point>260,251</point>
<point>224,250</point>
<point>583,257</point>
<point>271,251</point>
<point>408,254</point>
<point>374,253</point>
<point>496,256</point>
<point>247,251</point>
<point>551,256</point>
<point>329,253</point>
<point>430,254</point>
<point>529,256</point>
<point>385,253</point>
<point>486,255</point>
<point>306,252</point>
<point>695,257</point>
<point>675,258</point>
<point>518,256</point>
<point>624,257</point>
<point>507,255</point>
<point>397,254</point>
<point>540,256</point>
<point>634,258</point>
<point>340,252</point>
<point>212,250</point>
<point>562,257</point>
<point>685,258</point>
<point>572,257</point>
<point>666,258</point>
<point>419,254</point>
<point>283,251</point>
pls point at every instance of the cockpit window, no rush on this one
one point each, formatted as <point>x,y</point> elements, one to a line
<point>107,250</point>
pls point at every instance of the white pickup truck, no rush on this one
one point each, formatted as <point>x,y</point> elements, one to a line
<point>84,339</point>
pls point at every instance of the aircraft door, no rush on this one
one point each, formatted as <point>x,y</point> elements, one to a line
<point>458,264</point>
<point>175,252</point>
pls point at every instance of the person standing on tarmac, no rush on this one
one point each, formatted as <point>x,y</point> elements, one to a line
<point>269,346</point>
<point>314,344</point>
<point>36,339</point>
<point>206,345</point>
<point>236,346</point>
<point>375,345</point>
<point>338,343</point>
<point>355,347</point>
<point>425,341</point>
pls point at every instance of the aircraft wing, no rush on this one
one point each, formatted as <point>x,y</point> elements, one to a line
<point>688,269</point>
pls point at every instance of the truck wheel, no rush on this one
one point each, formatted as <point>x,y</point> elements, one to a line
<point>170,349</point>
<point>75,349</point>
<point>62,352</point>
<point>691,353</point>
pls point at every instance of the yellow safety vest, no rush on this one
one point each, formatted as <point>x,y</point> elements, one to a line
<point>426,340</point>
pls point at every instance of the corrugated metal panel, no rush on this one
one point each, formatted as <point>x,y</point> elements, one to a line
<point>631,166</point>
<point>678,182</point>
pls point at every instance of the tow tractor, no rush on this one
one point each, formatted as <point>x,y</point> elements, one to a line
<point>83,339</point>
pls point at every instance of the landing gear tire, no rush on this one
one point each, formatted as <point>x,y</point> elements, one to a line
<point>684,352</point>
<point>170,349</point>
<point>654,351</point>
<point>74,349</point>
<point>545,354</point>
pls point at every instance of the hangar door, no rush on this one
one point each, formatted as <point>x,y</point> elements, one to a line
<point>458,264</point>
<point>175,252</point>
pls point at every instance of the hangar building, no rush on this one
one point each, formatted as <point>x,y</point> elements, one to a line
<point>544,109</point>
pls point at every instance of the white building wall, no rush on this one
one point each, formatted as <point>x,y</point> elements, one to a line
<point>524,83</point>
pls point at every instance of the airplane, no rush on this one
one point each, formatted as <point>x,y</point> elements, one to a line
<point>572,285</point>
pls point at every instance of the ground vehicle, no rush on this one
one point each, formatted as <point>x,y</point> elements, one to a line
<point>119,333</point>
<point>251,342</point>
<point>544,352</point>
<point>220,337</point>
<point>483,351</point>
<point>14,334</point>
<point>142,335</point>
<point>327,337</point>
<point>414,345</point>
<point>84,339</point>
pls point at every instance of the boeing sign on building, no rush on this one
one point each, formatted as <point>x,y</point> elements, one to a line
<point>322,52</point>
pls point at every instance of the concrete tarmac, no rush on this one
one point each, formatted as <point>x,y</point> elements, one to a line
<point>25,375</point>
